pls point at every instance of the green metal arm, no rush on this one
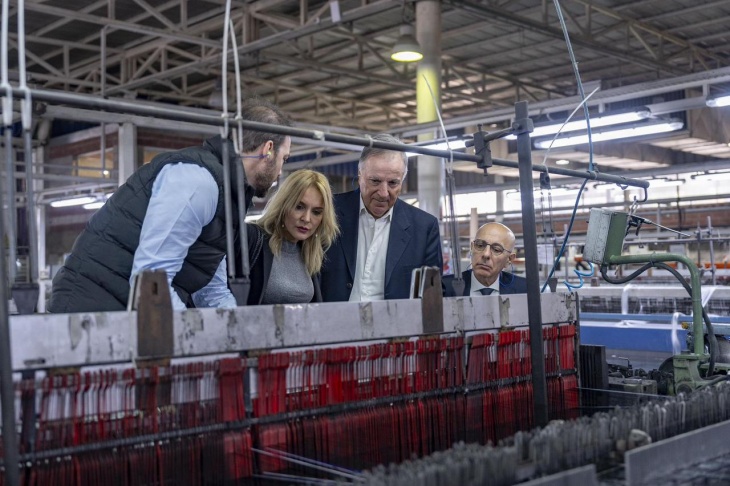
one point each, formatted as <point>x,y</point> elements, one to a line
<point>699,342</point>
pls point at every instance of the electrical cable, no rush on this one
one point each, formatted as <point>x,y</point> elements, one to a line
<point>449,167</point>
<point>710,330</point>
<point>567,235</point>
<point>584,98</point>
<point>237,140</point>
<point>580,275</point>
<point>574,63</point>
<point>228,208</point>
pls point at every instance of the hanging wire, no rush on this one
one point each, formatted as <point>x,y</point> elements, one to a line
<point>567,235</point>
<point>574,63</point>
<point>237,135</point>
<point>580,275</point>
<point>311,463</point>
<point>591,167</point>
<point>451,186</point>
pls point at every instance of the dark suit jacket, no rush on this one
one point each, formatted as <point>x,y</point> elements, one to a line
<point>261,260</point>
<point>414,241</point>
<point>509,283</point>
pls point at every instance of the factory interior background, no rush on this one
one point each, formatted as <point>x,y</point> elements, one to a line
<point>651,76</point>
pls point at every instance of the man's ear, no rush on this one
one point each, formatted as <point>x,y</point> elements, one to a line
<point>269,148</point>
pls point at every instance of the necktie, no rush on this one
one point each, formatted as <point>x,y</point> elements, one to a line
<point>486,291</point>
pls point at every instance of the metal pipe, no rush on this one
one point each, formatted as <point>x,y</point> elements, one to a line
<point>30,209</point>
<point>7,394</point>
<point>10,202</point>
<point>697,327</point>
<point>102,140</point>
<point>230,251</point>
<point>173,113</point>
<point>27,122</point>
<point>532,273</point>
<point>712,251</point>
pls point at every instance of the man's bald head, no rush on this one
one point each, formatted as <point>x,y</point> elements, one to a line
<point>492,250</point>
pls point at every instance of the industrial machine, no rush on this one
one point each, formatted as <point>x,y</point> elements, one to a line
<point>689,370</point>
<point>284,392</point>
<point>319,393</point>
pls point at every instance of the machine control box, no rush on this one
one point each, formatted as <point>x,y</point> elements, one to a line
<point>605,237</point>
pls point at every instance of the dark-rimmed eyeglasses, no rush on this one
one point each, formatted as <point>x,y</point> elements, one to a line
<point>480,246</point>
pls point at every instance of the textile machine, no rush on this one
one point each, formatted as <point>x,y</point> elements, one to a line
<point>319,393</point>
<point>276,392</point>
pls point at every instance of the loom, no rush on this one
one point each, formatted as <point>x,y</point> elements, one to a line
<point>227,396</point>
<point>316,392</point>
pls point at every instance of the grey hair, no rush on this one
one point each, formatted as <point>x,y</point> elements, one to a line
<point>368,152</point>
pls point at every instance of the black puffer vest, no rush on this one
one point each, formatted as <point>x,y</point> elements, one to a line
<point>96,274</point>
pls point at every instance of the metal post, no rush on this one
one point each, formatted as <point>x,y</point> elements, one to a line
<point>30,208</point>
<point>10,201</point>
<point>713,269</point>
<point>7,394</point>
<point>532,272</point>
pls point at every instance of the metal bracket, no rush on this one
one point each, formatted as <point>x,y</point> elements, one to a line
<point>25,296</point>
<point>432,300</point>
<point>151,299</point>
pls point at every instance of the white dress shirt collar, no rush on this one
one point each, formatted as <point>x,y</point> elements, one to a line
<point>476,286</point>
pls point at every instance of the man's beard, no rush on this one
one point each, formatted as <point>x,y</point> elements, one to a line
<point>264,180</point>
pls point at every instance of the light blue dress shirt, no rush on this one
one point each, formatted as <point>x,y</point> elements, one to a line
<point>184,199</point>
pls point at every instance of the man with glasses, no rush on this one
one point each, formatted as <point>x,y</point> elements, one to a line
<point>492,251</point>
<point>170,215</point>
<point>382,239</point>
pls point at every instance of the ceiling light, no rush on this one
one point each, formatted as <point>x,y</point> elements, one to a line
<point>74,201</point>
<point>457,144</point>
<point>712,176</point>
<point>562,162</point>
<point>94,205</point>
<point>597,122</point>
<point>628,132</point>
<point>666,182</point>
<point>406,48</point>
<point>718,101</point>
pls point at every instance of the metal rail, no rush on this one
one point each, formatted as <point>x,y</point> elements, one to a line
<point>72,340</point>
<point>208,117</point>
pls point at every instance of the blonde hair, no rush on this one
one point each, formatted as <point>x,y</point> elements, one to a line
<point>284,200</point>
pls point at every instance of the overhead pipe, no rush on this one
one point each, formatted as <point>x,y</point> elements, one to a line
<point>179,114</point>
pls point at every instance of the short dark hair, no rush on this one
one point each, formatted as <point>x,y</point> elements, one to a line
<point>259,110</point>
<point>368,152</point>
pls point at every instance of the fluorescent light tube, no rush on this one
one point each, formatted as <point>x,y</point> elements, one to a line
<point>454,144</point>
<point>629,132</point>
<point>74,201</point>
<point>718,101</point>
<point>597,122</point>
<point>94,205</point>
<point>666,182</point>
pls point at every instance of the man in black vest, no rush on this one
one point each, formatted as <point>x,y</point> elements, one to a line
<point>170,215</point>
<point>492,251</point>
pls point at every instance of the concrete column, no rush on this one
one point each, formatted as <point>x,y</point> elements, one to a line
<point>473,224</point>
<point>128,153</point>
<point>499,197</point>
<point>428,34</point>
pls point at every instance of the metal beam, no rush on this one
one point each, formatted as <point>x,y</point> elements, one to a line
<point>492,13</point>
<point>121,25</point>
<point>258,45</point>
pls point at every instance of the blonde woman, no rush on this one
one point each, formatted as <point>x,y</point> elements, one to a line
<point>288,243</point>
